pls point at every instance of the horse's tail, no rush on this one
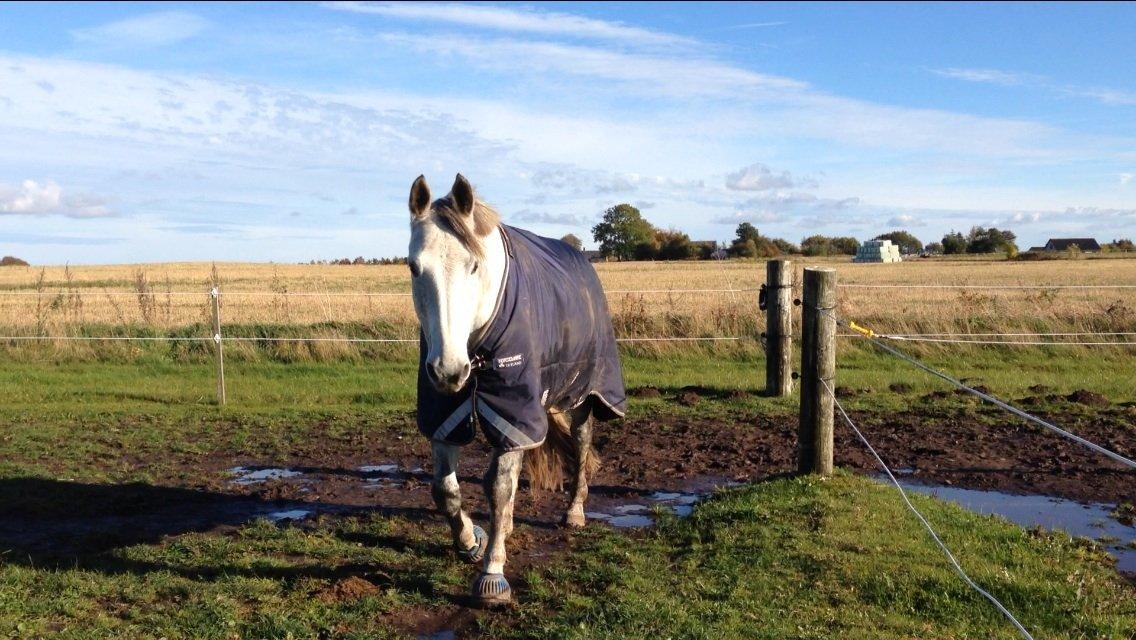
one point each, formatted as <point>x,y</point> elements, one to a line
<point>547,464</point>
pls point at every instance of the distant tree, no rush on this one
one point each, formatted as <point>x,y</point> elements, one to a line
<point>982,240</point>
<point>907,243</point>
<point>934,248</point>
<point>12,261</point>
<point>747,231</point>
<point>829,246</point>
<point>674,245</point>
<point>624,233</point>
<point>705,249</point>
<point>749,243</point>
<point>954,242</point>
<point>785,246</point>
<point>573,242</point>
<point>816,246</point>
<point>845,246</point>
<point>1123,244</point>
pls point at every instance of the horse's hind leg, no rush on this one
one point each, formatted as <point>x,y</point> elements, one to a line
<point>581,423</point>
<point>469,540</point>
<point>491,588</point>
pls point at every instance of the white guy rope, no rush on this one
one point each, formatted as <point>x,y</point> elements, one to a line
<point>317,294</point>
<point>985,286</point>
<point>999,335</point>
<point>1116,343</point>
<point>927,525</point>
<point>321,339</point>
<point>987,397</point>
<point>110,338</point>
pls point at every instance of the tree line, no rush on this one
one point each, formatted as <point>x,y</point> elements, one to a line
<point>624,234</point>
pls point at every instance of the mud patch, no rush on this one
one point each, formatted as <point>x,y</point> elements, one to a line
<point>348,590</point>
<point>1088,398</point>
<point>645,392</point>
<point>688,398</point>
<point>899,387</point>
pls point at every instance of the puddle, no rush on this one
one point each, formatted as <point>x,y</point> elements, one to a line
<point>681,503</point>
<point>386,469</point>
<point>445,634</point>
<point>381,476</point>
<point>245,475</point>
<point>292,514</point>
<point>1078,519</point>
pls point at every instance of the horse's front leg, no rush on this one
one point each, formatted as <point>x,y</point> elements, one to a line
<point>491,587</point>
<point>469,539</point>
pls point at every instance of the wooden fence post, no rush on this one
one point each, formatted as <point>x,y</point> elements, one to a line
<point>215,294</point>
<point>778,328</point>
<point>818,363</point>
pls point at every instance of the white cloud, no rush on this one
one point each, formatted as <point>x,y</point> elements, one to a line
<point>758,177</point>
<point>36,199</point>
<point>989,76</point>
<point>1022,217</point>
<point>1111,97</point>
<point>149,30</point>
<point>544,217</point>
<point>756,25</point>
<point>747,216</point>
<point>513,19</point>
<point>1126,178</point>
<point>904,220</point>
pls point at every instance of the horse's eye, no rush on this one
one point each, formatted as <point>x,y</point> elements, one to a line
<point>415,271</point>
<point>474,269</point>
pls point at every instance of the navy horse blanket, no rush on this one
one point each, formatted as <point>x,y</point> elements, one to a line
<point>549,346</point>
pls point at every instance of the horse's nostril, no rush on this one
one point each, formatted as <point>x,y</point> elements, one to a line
<point>432,369</point>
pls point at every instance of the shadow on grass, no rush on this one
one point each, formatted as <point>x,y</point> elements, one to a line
<point>65,525</point>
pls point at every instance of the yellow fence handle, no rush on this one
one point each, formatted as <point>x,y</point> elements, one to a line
<point>864,331</point>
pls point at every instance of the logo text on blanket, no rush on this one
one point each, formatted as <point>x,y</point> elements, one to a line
<point>510,361</point>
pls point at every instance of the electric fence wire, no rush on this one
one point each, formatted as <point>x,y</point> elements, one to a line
<point>927,525</point>
<point>870,336</point>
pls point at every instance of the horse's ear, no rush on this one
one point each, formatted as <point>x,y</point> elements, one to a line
<point>462,193</point>
<point>419,197</point>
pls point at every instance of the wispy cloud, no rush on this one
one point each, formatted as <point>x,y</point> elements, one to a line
<point>739,217</point>
<point>757,25</point>
<point>758,177</point>
<point>1126,178</point>
<point>149,30</point>
<point>513,19</point>
<point>904,220</point>
<point>1111,97</point>
<point>543,217</point>
<point>47,198</point>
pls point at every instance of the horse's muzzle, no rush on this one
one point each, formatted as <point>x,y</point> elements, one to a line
<point>445,382</point>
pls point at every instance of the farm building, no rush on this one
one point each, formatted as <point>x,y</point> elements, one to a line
<point>878,251</point>
<point>1087,245</point>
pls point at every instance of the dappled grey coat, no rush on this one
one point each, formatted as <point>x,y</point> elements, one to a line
<point>550,345</point>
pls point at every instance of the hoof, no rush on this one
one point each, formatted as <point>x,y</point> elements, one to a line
<point>477,552</point>
<point>491,590</point>
<point>573,521</point>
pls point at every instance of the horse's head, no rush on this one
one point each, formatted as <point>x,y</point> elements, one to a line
<point>456,267</point>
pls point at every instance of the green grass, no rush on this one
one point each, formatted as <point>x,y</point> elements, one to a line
<point>805,558</point>
<point>786,559</point>
<point>261,581</point>
<point>791,558</point>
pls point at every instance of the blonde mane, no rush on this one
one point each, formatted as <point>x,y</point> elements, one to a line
<point>470,229</point>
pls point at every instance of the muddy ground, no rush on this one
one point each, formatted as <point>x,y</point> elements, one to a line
<point>942,441</point>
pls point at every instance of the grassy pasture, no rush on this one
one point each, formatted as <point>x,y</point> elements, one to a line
<point>784,559</point>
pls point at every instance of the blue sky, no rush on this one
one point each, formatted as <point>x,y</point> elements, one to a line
<point>157,132</point>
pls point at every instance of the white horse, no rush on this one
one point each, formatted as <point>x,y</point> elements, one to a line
<point>460,263</point>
